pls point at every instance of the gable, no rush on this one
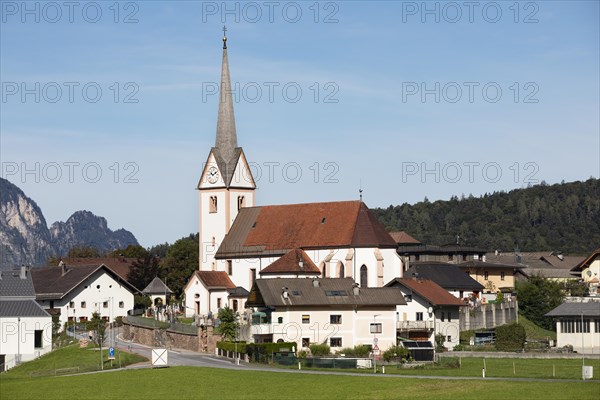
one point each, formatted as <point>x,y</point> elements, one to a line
<point>210,166</point>
<point>242,175</point>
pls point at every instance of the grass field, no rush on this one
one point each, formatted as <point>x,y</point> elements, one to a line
<point>207,383</point>
<point>534,332</point>
<point>70,357</point>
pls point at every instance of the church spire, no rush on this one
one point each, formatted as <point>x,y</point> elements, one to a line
<point>226,135</point>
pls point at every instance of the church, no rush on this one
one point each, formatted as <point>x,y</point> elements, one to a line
<point>241,242</point>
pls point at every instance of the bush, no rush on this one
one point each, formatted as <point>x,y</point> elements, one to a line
<point>458,347</point>
<point>302,354</point>
<point>439,342</point>
<point>510,337</point>
<point>322,349</point>
<point>360,350</point>
<point>396,354</point>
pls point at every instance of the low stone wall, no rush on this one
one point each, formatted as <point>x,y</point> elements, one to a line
<point>487,316</point>
<point>204,341</point>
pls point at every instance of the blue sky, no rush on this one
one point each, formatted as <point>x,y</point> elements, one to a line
<point>407,99</point>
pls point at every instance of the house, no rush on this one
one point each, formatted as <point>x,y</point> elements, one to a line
<point>578,325</point>
<point>335,311</point>
<point>553,265</point>
<point>449,253</point>
<point>76,292</point>
<point>26,329</point>
<point>157,291</point>
<point>449,276</point>
<point>589,270</point>
<point>494,277</point>
<point>429,311</point>
<point>208,291</point>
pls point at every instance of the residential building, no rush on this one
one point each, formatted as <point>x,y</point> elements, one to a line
<point>76,292</point>
<point>589,271</point>
<point>208,291</point>
<point>335,311</point>
<point>494,277</point>
<point>578,325</point>
<point>429,311</point>
<point>449,276</point>
<point>26,329</point>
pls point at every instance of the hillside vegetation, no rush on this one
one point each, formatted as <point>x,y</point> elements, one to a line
<point>562,217</point>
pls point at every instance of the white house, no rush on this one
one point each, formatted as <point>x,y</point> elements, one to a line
<point>157,291</point>
<point>208,291</point>
<point>578,325</point>
<point>429,311</point>
<point>589,269</point>
<point>335,311</point>
<point>75,293</point>
<point>26,329</point>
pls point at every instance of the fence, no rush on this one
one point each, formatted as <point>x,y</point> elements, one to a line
<point>146,322</point>
<point>183,328</point>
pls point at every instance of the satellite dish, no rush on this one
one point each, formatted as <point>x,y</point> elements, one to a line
<point>430,310</point>
<point>589,273</point>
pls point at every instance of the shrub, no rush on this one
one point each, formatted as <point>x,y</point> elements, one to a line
<point>360,350</point>
<point>510,337</point>
<point>439,342</point>
<point>396,354</point>
<point>302,354</point>
<point>458,347</point>
<point>322,349</point>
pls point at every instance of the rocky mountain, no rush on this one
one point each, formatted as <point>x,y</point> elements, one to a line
<point>26,239</point>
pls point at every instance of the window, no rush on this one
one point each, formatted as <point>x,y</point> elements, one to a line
<point>449,316</point>
<point>443,316</point>
<point>335,319</point>
<point>253,275</point>
<point>280,320</point>
<point>241,202</point>
<point>305,342</point>
<point>486,275</point>
<point>419,316</point>
<point>597,325</point>
<point>121,304</point>
<point>376,327</point>
<point>449,339</point>
<point>335,342</point>
<point>450,257</point>
<point>363,276</point>
<point>105,304</point>
<point>37,339</point>
<point>83,319</point>
<point>341,270</point>
<point>71,304</point>
<point>229,267</point>
<point>305,319</point>
<point>235,305</point>
<point>502,274</point>
<point>464,257</point>
<point>324,270</point>
<point>212,206</point>
<point>83,304</point>
<point>219,303</point>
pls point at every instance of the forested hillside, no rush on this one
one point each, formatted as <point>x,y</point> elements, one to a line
<point>563,217</point>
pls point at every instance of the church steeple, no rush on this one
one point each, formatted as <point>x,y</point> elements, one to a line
<point>226,141</point>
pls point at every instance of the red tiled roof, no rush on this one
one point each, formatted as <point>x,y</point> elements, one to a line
<point>215,279</point>
<point>280,228</point>
<point>290,264</point>
<point>119,265</point>
<point>430,291</point>
<point>403,238</point>
<point>583,264</point>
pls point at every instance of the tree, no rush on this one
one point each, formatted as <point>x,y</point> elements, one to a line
<point>143,270</point>
<point>131,251</point>
<point>538,296</point>
<point>228,324</point>
<point>83,252</point>
<point>98,326</point>
<point>180,263</point>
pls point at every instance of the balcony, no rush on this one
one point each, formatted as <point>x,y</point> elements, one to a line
<point>415,325</point>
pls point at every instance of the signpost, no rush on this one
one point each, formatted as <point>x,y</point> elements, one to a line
<point>159,358</point>
<point>111,353</point>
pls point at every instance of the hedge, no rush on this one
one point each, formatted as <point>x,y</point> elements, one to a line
<point>259,348</point>
<point>510,337</point>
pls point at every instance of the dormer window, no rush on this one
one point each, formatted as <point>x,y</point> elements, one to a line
<point>323,220</point>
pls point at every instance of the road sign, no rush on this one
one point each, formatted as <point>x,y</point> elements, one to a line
<point>111,353</point>
<point>375,340</point>
<point>376,348</point>
<point>159,357</point>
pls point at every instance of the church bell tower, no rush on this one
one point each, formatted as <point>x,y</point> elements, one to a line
<point>226,184</point>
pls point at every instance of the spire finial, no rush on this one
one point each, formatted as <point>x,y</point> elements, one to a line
<point>360,191</point>
<point>224,37</point>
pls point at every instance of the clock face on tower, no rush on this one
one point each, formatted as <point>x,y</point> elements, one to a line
<point>213,175</point>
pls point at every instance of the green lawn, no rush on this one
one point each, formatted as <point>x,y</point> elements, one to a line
<point>535,332</point>
<point>207,383</point>
<point>69,357</point>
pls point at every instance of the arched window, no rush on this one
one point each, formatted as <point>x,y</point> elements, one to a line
<point>341,270</point>
<point>363,276</point>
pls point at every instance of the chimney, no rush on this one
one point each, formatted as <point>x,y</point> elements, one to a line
<point>315,283</point>
<point>301,264</point>
<point>23,274</point>
<point>63,267</point>
<point>284,292</point>
<point>355,289</point>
